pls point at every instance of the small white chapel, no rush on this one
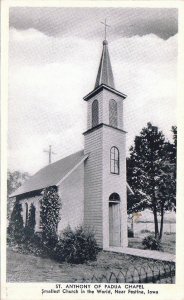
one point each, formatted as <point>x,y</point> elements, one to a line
<point>92,182</point>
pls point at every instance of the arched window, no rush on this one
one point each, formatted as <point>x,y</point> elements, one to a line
<point>113,113</point>
<point>95,113</point>
<point>114,197</point>
<point>26,218</point>
<point>114,160</point>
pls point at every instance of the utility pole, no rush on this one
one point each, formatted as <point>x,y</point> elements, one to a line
<point>50,152</point>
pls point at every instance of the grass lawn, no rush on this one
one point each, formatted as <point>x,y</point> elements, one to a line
<point>30,268</point>
<point>168,242</point>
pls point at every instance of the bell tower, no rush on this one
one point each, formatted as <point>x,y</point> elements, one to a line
<point>105,191</point>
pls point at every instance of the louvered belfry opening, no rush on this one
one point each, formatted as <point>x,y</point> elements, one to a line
<point>113,113</point>
<point>95,113</point>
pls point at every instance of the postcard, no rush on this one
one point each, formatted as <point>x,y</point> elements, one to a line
<point>92,150</point>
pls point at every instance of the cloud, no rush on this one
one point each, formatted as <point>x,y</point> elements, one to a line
<point>33,47</point>
<point>85,22</point>
<point>49,76</point>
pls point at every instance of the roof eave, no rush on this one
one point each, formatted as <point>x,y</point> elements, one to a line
<point>13,195</point>
<point>100,87</point>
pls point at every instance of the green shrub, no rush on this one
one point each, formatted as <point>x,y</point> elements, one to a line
<point>76,246</point>
<point>145,231</point>
<point>37,245</point>
<point>16,228</point>
<point>169,233</point>
<point>130,233</point>
<point>50,217</point>
<point>152,243</point>
<point>33,245</point>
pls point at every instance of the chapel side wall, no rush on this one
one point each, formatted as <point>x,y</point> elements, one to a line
<point>71,192</point>
<point>93,183</point>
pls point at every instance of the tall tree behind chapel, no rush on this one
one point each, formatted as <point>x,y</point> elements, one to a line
<point>151,171</point>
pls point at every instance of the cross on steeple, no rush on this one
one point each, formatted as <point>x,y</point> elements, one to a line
<point>50,153</point>
<point>105,75</point>
<point>105,25</point>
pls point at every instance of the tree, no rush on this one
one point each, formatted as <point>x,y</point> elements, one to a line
<point>16,228</point>
<point>49,215</point>
<point>150,173</point>
<point>167,186</point>
<point>30,226</point>
<point>14,180</point>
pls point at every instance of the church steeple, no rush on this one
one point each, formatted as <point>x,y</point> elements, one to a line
<point>105,168</point>
<point>105,75</point>
<point>105,105</point>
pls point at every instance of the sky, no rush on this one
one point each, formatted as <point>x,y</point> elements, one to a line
<point>54,55</point>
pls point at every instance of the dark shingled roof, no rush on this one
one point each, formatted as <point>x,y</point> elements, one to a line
<point>51,174</point>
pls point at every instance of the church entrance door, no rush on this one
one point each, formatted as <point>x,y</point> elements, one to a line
<point>114,221</point>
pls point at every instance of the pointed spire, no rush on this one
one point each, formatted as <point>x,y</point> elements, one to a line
<point>105,75</point>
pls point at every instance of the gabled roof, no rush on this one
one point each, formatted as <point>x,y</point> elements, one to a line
<point>52,174</point>
<point>105,75</point>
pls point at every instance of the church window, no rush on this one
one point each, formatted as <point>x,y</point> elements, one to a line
<point>95,113</point>
<point>113,113</point>
<point>26,217</point>
<point>114,197</point>
<point>40,222</point>
<point>114,160</point>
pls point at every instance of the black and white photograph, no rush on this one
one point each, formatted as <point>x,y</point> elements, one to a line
<point>92,147</point>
